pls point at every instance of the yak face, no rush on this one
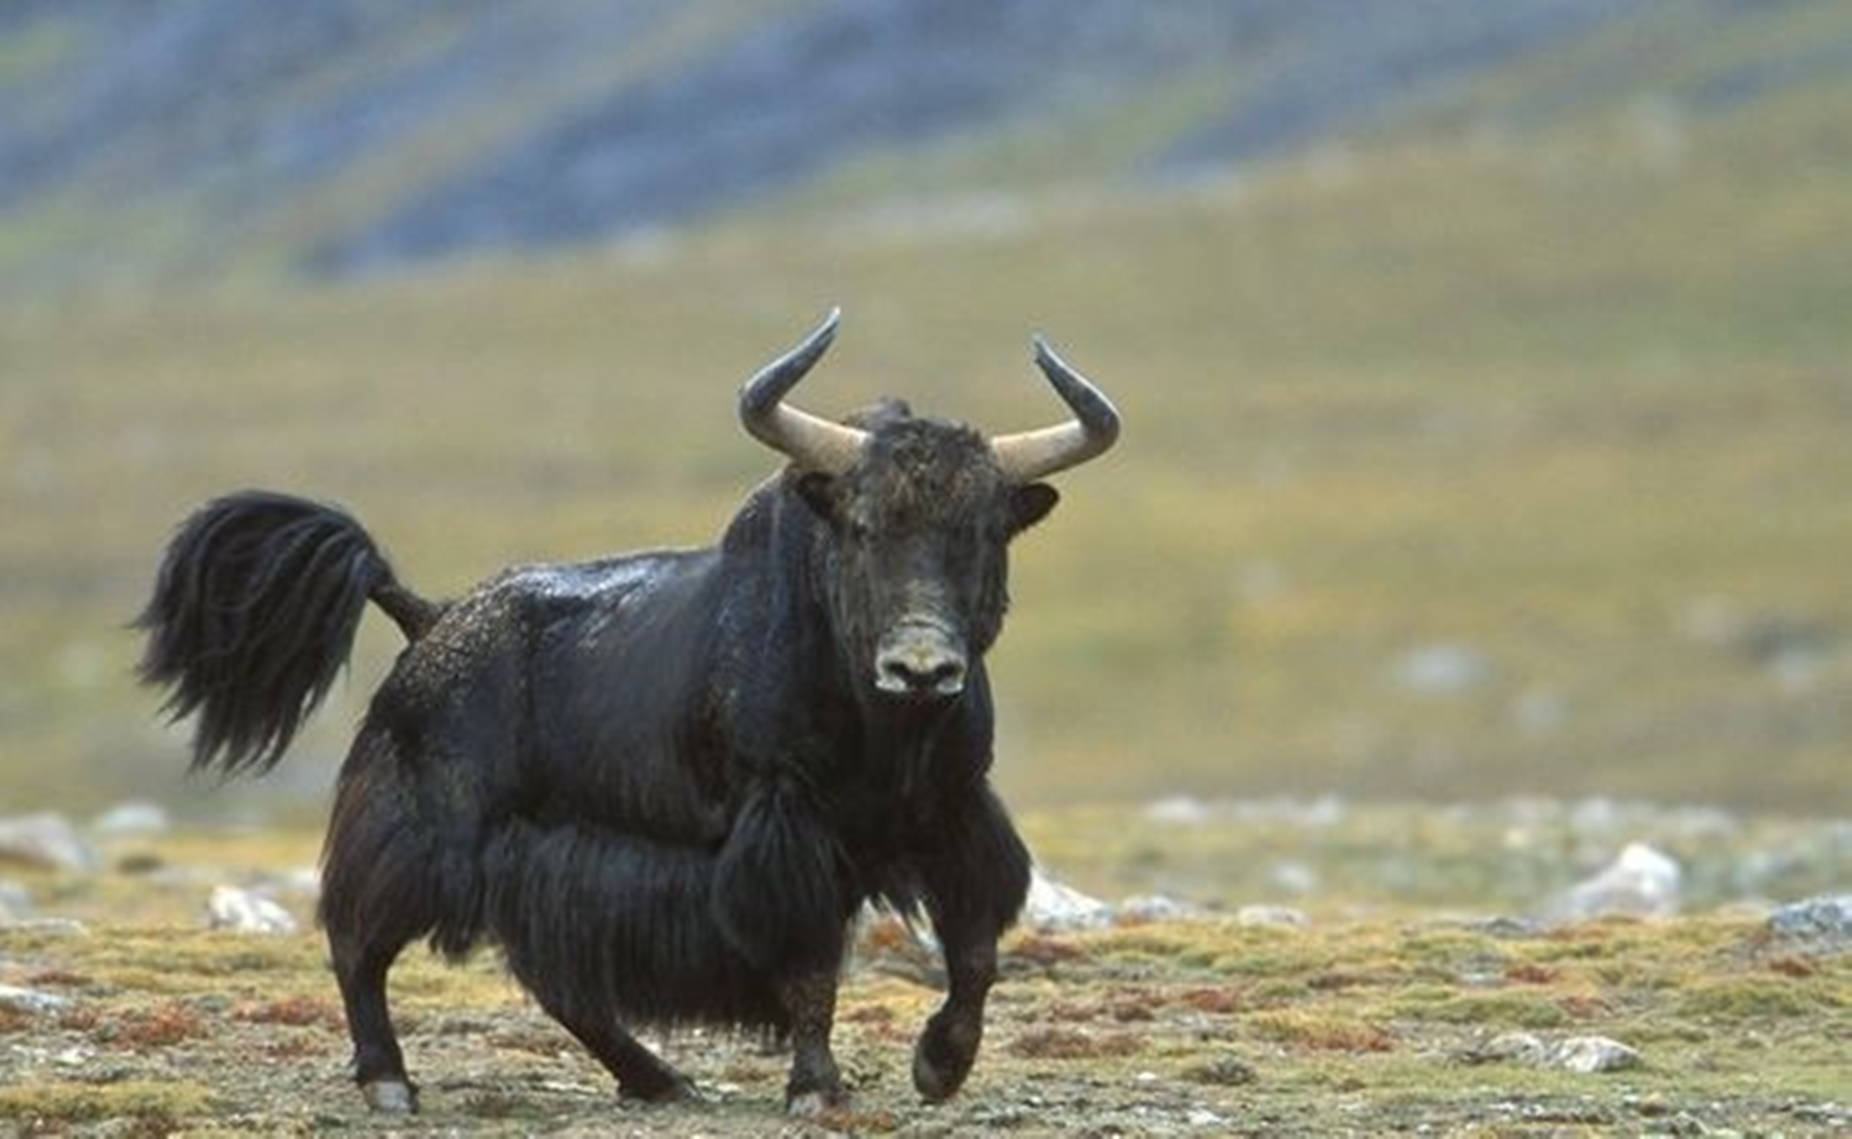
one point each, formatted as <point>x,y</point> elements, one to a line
<point>915,555</point>
<point>918,516</point>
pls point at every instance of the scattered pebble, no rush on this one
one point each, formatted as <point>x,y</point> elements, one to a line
<point>1223,1071</point>
<point>1642,882</point>
<point>1284,916</point>
<point>47,841</point>
<point>31,1000</point>
<point>15,901</point>
<point>1821,924</point>
<point>1053,907</point>
<point>241,911</point>
<point>1184,809</point>
<point>1585,1054</point>
<point>1592,1054</point>
<point>1441,670</point>
<point>132,818</point>
<point>1155,907</point>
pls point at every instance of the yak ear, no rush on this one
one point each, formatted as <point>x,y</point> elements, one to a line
<point>1030,504</point>
<point>818,491</point>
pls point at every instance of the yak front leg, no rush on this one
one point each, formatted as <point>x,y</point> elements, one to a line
<point>778,900</point>
<point>816,1082</point>
<point>974,885</point>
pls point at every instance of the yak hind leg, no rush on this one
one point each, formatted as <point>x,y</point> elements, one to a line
<point>640,1073</point>
<point>589,922</point>
<point>974,885</point>
<point>375,900</point>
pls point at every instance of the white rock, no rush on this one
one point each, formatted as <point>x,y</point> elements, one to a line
<point>1441,670</point>
<point>1592,1054</point>
<point>1053,907</point>
<point>1823,923</point>
<point>242,911</point>
<point>1178,809</point>
<point>1642,882</point>
<point>31,1000</point>
<point>1523,1047</point>
<point>1155,907</point>
<point>1284,916</point>
<point>15,901</point>
<point>132,818</point>
<point>46,840</point>
<point>1294,877</point>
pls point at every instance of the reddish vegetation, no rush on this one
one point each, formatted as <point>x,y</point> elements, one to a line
<point>1793,967</point>
<point>1073,1044</point>
<point>1530,973</point>
<point>1044,950</point>
<point>1222,999</point>
<point>159,1027</point>
<point>1583,1006</point>
<point>299,1011</point>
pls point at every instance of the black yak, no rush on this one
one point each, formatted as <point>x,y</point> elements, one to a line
<point>664,783</point>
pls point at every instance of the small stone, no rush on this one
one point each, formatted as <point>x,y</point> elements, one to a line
<point>1441,670</point>
<point>1293,877</point>
<point>133,818</point>
<point>1281,916</point>
<point>1182,809</point>
<point>47,841</point>
<point>31,1000</point>
<point>15,901</point>
<point>1589,1054</point>
<point>61,927</point>
<point>1642,882</point>
<point>1223,1071</point>
<point>241,911</point>
<point>1056,908</point>
<point>1202,1117</point>
<point>1155,907</point>
<point>1821,924</point>
<point>1521,1047</point>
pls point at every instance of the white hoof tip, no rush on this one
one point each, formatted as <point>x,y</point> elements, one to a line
<point>810,1105</point>
<point>394,1097</point>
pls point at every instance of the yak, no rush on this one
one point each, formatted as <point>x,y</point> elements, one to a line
<point>663,783</point>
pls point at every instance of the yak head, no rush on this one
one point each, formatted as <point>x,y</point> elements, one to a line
<point>917,516</point>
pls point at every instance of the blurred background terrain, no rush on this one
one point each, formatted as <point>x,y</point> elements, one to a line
<point>1486,367</point>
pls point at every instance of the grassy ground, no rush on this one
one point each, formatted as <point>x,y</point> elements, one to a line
<point>1572,407</point>
<point>1374,1018</point>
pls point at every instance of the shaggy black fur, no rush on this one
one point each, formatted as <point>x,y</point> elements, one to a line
<point>664,783</point>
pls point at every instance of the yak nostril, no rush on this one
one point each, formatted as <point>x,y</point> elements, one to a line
<point>919,673</point>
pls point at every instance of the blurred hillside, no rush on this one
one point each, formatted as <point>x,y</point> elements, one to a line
<point>198,138</point>
<point>1484,366</point>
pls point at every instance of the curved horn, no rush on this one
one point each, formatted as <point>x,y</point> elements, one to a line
<point>813,443</point>
<point>1030,455</point>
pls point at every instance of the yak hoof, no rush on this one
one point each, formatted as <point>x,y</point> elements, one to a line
<point>942,1059</point>
<point>814,1105</point>
<point>393,1097</point>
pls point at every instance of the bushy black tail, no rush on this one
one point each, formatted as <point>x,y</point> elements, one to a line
<point>253,615</point>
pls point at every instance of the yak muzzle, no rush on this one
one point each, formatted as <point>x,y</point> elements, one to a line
<point>919,661</point>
